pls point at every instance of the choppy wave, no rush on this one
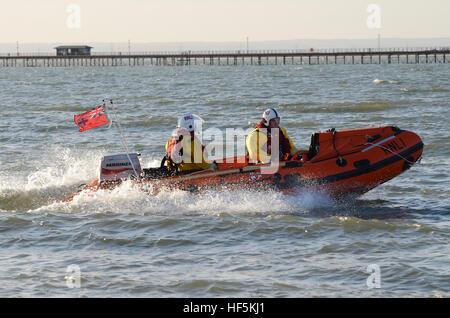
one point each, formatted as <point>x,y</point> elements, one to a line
<point>346,107</point>
<point>150,121</point>
<point>63,108</point>
<point>426,90</point>
<point>378,81</point>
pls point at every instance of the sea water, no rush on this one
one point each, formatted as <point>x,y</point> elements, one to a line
<point>390,242</point>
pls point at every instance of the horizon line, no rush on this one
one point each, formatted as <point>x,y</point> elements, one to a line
<point>236,41</point>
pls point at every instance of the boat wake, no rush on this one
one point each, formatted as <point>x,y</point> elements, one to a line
<point>62,170</point>
<point>128,198</point>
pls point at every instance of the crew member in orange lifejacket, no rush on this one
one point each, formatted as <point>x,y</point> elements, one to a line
<point>184,150</point>
<point>259,141</point>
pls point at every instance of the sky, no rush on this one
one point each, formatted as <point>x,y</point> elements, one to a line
<point>85,21</point>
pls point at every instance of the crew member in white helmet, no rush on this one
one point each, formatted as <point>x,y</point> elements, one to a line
<point>259,141</point>
<point>184,150</point>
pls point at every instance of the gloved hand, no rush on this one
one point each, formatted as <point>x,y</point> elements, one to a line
<point>300,154</point>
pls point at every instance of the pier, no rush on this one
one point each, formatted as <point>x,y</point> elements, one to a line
<point>233,58</point>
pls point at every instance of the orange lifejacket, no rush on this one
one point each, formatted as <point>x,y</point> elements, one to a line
<point>172,145</point>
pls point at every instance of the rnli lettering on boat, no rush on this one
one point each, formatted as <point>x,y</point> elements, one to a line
<point>394,146</point>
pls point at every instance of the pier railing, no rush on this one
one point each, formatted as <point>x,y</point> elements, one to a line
<point>233,52</point>
<point>233,57</point>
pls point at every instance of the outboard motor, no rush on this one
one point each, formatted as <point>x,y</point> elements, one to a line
<point>119,167</point>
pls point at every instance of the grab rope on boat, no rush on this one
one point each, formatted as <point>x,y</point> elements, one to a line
<point>341,162</point>
<point>389,150</point>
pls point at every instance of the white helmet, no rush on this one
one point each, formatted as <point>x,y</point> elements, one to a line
<point>268,115</point>
<point>190,122</point>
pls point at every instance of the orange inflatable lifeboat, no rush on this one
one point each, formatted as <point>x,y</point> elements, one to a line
<point>351,161</point>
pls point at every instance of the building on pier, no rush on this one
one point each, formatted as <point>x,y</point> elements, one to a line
<point>73,50</point>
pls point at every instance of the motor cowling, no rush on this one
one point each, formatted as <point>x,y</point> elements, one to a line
<point>119,167</point>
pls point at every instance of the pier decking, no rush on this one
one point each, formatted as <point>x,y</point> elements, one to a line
<point>230,58</point>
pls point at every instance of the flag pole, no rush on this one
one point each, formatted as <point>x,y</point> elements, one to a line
<point>124,142</point>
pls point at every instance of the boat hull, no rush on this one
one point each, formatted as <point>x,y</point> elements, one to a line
<point>349,162</point>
